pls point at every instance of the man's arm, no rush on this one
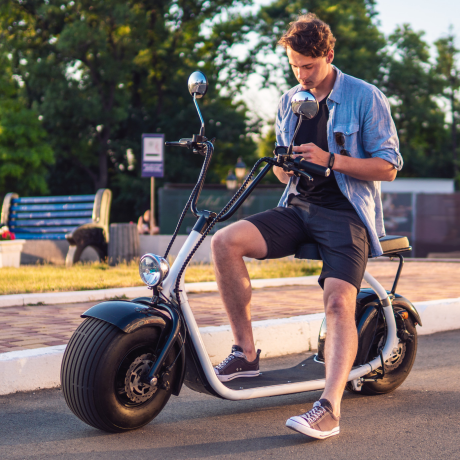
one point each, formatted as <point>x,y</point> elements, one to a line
<point>380,142</point>
<point>368,169</point>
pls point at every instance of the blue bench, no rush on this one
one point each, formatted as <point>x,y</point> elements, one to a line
<point>82,220</point>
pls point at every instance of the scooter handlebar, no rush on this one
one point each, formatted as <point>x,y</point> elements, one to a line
<point>312,168</point>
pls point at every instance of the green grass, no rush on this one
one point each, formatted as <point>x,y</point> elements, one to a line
<point>51,278</point>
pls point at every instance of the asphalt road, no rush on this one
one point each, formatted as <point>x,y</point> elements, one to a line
<point>418,421</point>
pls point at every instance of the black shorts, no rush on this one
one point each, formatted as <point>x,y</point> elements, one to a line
<point>341,236</point>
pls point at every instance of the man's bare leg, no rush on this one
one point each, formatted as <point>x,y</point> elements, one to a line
<point>341,340</point>
<point>229,246</point>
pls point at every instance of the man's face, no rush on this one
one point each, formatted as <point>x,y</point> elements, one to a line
<point>309,71</point>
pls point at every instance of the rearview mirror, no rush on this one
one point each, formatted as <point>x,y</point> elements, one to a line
<point>304,104</point>
<point>197,84</point>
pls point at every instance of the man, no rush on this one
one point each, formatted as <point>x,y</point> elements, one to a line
<point>353,134</point>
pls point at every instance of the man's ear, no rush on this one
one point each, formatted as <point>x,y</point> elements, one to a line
<point>330,56</point>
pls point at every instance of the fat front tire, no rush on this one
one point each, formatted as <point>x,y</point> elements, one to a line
<point>397,369</point>
<point>100,376</point>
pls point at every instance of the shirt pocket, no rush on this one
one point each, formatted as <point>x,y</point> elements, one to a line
<point>350,133</point>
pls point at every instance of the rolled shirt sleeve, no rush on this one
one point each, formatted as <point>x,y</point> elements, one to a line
<point>379,131</point>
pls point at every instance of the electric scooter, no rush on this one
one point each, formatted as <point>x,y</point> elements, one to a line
<point>127,358</point>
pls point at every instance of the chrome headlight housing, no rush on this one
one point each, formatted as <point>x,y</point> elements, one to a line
<point>153,269</point>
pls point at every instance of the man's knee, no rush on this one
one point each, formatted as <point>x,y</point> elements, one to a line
<point>224,240</point>
<point>340,306</point>
<point>241,239</point>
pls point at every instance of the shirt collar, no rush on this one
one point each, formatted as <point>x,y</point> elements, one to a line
<point>336,93</point>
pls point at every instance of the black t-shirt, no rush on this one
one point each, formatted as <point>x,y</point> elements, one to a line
<point>322,191</point>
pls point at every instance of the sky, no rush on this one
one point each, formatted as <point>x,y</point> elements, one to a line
<point>420,14</point>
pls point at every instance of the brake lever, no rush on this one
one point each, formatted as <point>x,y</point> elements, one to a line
<point>297,172</point>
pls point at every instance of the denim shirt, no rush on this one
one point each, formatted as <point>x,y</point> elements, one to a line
<point>361,112</point>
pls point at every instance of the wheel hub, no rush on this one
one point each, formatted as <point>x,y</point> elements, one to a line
<point>136,390</point>
<point>396,356</point>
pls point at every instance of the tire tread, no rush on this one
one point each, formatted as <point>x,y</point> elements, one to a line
<point>85,350</point>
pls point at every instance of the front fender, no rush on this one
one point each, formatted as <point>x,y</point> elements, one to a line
<point>126,315</point>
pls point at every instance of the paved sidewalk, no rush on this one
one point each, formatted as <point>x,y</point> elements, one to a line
<point>29,327</point>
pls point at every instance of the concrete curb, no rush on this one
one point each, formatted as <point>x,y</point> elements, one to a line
<point>30,370</point>
<point>53,298</point>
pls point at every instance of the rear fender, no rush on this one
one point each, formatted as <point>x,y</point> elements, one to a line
<point>132,315</point>
<point>367,296</point>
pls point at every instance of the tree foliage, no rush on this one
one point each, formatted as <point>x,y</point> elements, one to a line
<point>413,86</point>
<point>103,72</point>
<point>449,73</point>
<point>24,151</point>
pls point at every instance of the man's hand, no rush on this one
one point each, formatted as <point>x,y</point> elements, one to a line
<point>312,153</point>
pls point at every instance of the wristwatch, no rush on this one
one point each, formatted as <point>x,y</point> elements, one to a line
<point>331,161</point>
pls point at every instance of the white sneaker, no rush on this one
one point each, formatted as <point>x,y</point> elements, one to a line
<point>319,422</point>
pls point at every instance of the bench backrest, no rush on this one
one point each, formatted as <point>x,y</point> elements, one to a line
<point>52,217</point>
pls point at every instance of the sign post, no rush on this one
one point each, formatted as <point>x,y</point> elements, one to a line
<point>152,166</point>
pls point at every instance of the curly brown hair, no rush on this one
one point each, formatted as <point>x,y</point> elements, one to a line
<point>308,35</point>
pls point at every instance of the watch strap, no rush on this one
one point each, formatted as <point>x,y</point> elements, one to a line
<point>331,161</point>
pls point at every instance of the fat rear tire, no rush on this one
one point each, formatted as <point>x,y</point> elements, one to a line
<point>93,373</point>
<point>398,372</point>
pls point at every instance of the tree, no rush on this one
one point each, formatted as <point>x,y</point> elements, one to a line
<point>24,151</point>
<point>413,86</point>
<point>103,72</point>
<point>447,70</point>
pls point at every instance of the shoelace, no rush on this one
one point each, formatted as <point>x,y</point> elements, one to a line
<point>225,361</point>
<point>313,415</point>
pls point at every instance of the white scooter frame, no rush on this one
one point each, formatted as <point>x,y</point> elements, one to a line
<point>274,390</point>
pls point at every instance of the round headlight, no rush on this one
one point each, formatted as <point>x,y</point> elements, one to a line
<point>153,269</point>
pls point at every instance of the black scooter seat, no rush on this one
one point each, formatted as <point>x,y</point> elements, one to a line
<point>391,245</point>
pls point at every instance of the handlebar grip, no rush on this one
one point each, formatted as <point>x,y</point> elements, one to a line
<point>181,143</point>
<point>312,168</point>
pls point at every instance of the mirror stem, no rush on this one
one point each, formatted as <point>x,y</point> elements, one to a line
<point>199,114</point>
<point>301,118</point>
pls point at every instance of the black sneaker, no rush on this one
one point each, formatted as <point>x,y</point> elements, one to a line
<point>236,365</point>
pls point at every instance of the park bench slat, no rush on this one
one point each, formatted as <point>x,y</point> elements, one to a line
<point>51,207</point>
<point>14,216</point>
<point>54,199</point>
<point>40,236</point>
<point>49,222</point>
<point>30,231</point>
